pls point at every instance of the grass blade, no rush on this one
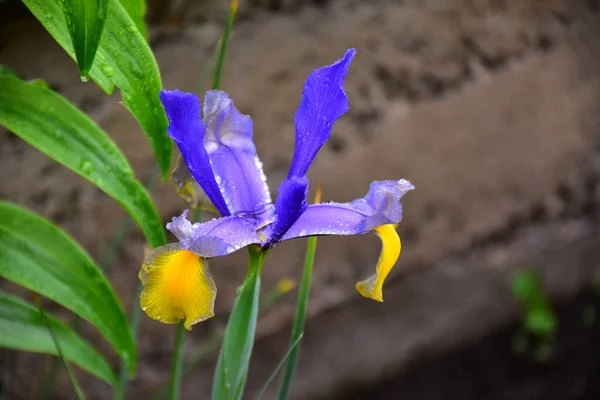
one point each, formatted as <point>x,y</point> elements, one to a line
<point>274,374</point>
<point>59,351</point>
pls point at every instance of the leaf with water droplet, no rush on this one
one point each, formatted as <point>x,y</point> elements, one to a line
<point>139,81</point>
<point>57,128</point>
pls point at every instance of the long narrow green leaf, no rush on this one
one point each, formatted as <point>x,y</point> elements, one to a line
<point>22,328</point>
<point>85,21</point>
<point>232,366</point>
<point>123,59</point>
<point>37,255</point>
<point>54,126</point>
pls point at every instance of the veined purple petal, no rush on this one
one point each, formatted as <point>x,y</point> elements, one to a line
<point>218,237</point>
<point>290,204</point>
<point>187,129</point>
<point>323,101</point>
<point>380,206</point>
<point>237,168</point>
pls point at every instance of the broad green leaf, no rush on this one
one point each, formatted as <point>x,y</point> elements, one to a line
<point>123,59</point>
<point>39,256</point>
<point>232,366</point>
<point>50,123</point>
<point>23,328</point>
<point>136,10</point>
<point>85,21</point>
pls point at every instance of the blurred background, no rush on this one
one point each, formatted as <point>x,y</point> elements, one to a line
<point>490,107</point>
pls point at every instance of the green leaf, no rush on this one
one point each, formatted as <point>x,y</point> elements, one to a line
<point>40,257</point>
<point>22,328</point>
<point>123,59</point>
<point>136,10</point>
<point>54,126</point>
<point>232,366</point>
<point>85,21</point>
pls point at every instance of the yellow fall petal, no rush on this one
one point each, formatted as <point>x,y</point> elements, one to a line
<point>177,286</point>
<point>390,251</point>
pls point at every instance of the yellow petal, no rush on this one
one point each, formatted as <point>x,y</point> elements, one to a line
<point>390,251</point>
<point>177,286</point>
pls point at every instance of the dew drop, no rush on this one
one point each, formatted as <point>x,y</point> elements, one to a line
<point>303,232</point>
<point>86,167</point>
<point>84,78</point>
<point>108,70</point>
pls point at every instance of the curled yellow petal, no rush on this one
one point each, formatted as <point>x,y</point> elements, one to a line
<point>177,286</point>
<point>390,251</point>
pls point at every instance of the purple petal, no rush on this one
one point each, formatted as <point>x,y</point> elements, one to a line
<point>237,168</point>
<point>187,129</point>
<point>323,101</point>
<point>214,238</point>
<point>380,206</point>
<point>290,204</point>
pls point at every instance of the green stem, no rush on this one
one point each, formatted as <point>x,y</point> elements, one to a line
<point>224,42</point>
<point>176,364</point>
<point>300,318</point>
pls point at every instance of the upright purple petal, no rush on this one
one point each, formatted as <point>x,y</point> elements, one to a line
<point>323,102</point>
<point>379,207</point>
<point>218,237</point>
<point>237,168</point>
<point>187,129</point>
<point>290,204</point>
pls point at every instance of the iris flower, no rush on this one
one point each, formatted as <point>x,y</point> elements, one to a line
<point>220,155</point>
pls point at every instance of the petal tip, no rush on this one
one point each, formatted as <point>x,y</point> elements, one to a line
<point>365,288</point>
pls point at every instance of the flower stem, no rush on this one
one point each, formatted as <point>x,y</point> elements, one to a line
<point>176,364</point>
<point>300,318</point>
<point>298,328</point>
<point>224,41</point>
